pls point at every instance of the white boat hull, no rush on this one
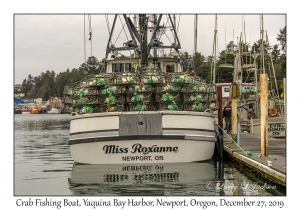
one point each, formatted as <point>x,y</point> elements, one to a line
<point>142,137</point>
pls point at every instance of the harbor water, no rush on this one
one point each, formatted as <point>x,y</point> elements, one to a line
<point>43,166</point>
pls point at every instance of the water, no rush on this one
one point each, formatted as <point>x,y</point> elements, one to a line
<point>43,166</point>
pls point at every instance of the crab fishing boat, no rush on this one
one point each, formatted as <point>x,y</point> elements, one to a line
<point>144,108</point>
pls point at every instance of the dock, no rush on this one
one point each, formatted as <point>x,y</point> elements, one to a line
<point>271,167</point>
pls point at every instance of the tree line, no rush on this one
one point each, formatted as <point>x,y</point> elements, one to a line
<point>49,84</point>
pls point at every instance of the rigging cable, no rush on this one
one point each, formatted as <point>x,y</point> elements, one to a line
<point>120,31</point>
<point>107,24</point>
<point>178,27</point>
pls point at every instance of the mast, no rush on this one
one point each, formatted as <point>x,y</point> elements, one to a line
<point>139,37</point>
<point>215,51</point>
<point>174,20</point>
<point>196,26</point>
<point>262,67</point>
<point>143,22</point>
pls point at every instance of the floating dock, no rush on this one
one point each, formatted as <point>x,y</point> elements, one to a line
<point>271,167</point>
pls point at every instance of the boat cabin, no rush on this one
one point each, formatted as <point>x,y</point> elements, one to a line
<point>131,65</point>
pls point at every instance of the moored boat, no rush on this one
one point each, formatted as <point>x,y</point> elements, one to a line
<point>54,110</point>
<point>139,111</point>
<point>25,110</point>
<point>35,110</point>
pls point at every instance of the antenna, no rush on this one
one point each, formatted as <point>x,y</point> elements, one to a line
<point>245,30</point>
<point>84,38</point>
<point>225,43</point>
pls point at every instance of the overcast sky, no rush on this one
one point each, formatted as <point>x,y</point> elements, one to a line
<point>56,42</point>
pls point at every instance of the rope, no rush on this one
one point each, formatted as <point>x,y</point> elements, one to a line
<point>245,152</point>
<point>123,27</point>
<point>107,23</point>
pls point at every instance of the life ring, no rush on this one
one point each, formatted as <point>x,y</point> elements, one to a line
<point>273,112</point>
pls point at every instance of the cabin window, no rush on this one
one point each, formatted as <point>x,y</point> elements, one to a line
<point>118,67</point>
<point>156,66</point>
<point>121,67</point>
<point>130,67</point>
<point>226,90</point>
<point>170,68</point>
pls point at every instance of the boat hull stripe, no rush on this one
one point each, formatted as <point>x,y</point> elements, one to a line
<point>188,129</point>
<point>94,131</point>
<point>143,137</point>
<point>112,130</point>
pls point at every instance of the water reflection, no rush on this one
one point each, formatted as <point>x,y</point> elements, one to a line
<point>41,122</point>
<point>142,179</point>
<point>40,148</point>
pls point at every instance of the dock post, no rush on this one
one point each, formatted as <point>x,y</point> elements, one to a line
<point>238,133</point>
<point>220,111</point>
<point>234,98</point>
<point>251,126</point>
<point>264,114</point>
<point>284,102</point>
<point>220,147</point>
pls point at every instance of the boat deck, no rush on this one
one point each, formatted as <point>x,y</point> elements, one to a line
<point>276,154</point>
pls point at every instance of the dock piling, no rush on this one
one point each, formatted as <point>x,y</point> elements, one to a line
<point>264,114</point>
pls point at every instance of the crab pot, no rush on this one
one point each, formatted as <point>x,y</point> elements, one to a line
<point>91,82</point>
<point>195,88</point>
<point>140,88</point>
<point>92,91</point>
<point>213,105</point>
<point>182,78</point>
<point>125,79</point>
<point>111,98</point>
<point>139,97</point>
<point>167,87</point>
<point>116,107</point>
<point>153,79</point>
<point>102,80</point>
<point>140,106</point>
<point>195,106</point>
<point>210,89</point>
<point>91,100</point>
<point>170,106</point>
<point>111,89</point>
<point>194,97</point>
<point>68,90</point>
<point>167,97</point>
<point>68,99</point>
<point>212,97</point>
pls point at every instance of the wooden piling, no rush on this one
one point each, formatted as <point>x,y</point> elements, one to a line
<point>220,111</point>
<point>284,100</point>
<point>234,98</point>
<point>264,114</point>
